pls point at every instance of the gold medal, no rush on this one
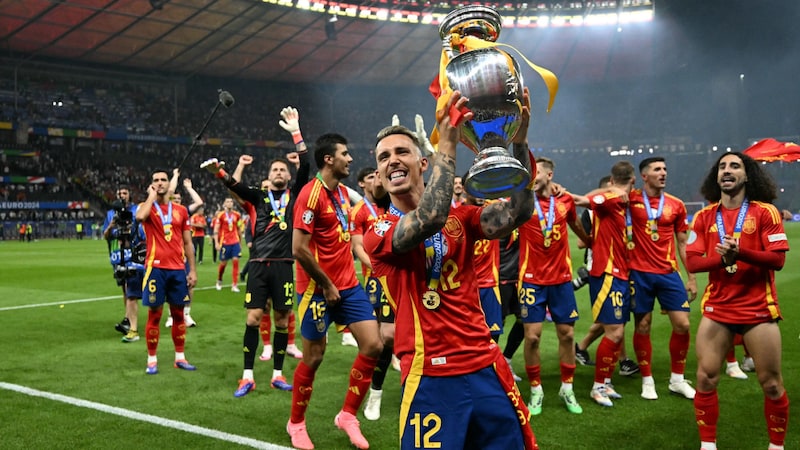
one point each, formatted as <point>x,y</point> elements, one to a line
<point>654,236</point>
<point>732,269</point>
<point>168,232</point>
<point>631,245</point>
<point>168,237</point>
<point>346,236</point>
<point>283,226</point>
<point>547,243</point>
<point>431,300</point>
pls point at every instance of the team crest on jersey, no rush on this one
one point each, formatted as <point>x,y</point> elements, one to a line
<point>454,228</point>
<point>562,209</point>
<point>667,213</point>
<point>749,226</point>
<point>382,227</point>
<point>307,216</point>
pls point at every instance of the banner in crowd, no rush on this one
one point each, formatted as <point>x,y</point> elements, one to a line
<point>18,179</point>
<point>44,205</point>
<point>20,153</point>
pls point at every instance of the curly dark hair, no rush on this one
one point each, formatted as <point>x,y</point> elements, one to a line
<point>759,186</point>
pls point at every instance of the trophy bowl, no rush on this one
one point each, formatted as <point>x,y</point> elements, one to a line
<point>492,81</point>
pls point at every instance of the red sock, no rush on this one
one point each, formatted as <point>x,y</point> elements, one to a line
<point>360,379</point>
<point>235,273</point>
<point>534,374</point>
<point>303,383</point>
<point>706,412</point>
<point>178,327</point>
<point>731,356</point>
<point>292,326</point>
<point>678,348</point>
<point>644,353</point>
<point>606,359</point>
<point>220,271</point>
<point>567,372</point>
<point>265,328</point>
<point>777,414</point>
<point>152,331</point>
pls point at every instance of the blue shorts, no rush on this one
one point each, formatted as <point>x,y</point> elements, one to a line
<point>668,287</point>
<point>492,309</point>
<point>374,290</point>
<point>230,251</point>
<point>611,299</point>
<point>470,411</point>
<point>316,316</point>
<point>133,285</point>
<point>164,285</point>
<point>535,300</point>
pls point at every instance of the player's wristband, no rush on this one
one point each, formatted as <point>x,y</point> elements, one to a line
<point>297,137</point>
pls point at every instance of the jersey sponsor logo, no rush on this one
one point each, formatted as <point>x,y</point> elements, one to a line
<point>599,199</point>
<point>382,227</point>
<point>307,216</point>
<point>494,327</point>
<point>776,237</point>
<point>692,237</point>
<point>709,309</point>
<point>440,361</point>
<point>685,304</point>
<point>573,314</point>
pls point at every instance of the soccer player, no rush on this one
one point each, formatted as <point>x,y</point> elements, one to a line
<point>458,192</point>
<point>271,278</point>
<point>227,241</point>
<point>363,215</point>
<point>458,391</point>
<point>193,207</point>
<point>546,283</point>
<point>198,221</point>
<point>612,237</point>
<point>659,235</point>
<point>740,241</point>
<point>169,241</point>
<point>328,290</point>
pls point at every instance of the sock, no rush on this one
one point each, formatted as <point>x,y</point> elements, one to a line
<point>187,309</point>
<point>220,272</point>
<point>706,412</point>
<point>265,327</point>
<point>360,379</point>
<point>279,347</point>
<point>777,414</point>
<point>250,346</point>
<point>678,348</point>
<point>605,359</point>
<point>514,339</point>
<point>152,330</point>
<point>567,373</point>
<point>235,272</point>
<point>178,328</point>
<point>384,361</point>
<point>247,374</point>
<point>303,385</point>
<point>644,353</point>
<point>534,374</point>
<point>292,326</point>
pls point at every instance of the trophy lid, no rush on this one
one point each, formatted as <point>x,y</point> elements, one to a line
<point>476,20</point>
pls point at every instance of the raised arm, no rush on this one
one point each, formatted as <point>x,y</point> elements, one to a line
<point>196,200</point>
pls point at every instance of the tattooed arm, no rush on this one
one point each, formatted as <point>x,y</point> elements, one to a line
<point>498,219</point>
<point>431,212</point>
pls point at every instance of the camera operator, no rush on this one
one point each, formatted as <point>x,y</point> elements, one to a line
<point>124,235</point>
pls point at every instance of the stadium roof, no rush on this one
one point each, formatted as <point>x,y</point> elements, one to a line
<point>286,40</point>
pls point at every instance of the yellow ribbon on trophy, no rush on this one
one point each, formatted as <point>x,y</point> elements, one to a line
<point>468,43</point>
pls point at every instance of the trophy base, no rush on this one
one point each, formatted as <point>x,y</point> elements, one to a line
<point>495,174</point>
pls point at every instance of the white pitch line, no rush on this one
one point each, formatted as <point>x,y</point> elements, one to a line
<point>128,414</point>
<point>80,300</point>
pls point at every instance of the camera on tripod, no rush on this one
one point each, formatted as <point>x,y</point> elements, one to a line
<point>123,220</point>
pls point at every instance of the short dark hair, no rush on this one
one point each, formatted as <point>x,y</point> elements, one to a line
<point>546,161</point>
<point>325,145</point>
<point>604,181</point>
<point>155,171</point>
<point>364,173</point>
<point>622,172</point>
<point>647,161</point>
<point>280,160</point>
<point>399,129</point>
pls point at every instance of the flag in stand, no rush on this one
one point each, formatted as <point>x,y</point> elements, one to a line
<point>771,150</point>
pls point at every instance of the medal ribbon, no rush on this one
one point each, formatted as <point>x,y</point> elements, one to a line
<point>434,253</point>
<point>737,229</point>
<point>369,206</point>
<point>547,227</point>
<point>340,214</point>
<point>166,221</point>
<point>653,219</point>
<point>628,224</point>
<point>279,207</point>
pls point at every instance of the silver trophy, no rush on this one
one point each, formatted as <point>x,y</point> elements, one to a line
<point>492,81</point>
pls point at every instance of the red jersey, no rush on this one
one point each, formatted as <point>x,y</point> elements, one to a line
<point>229,227</point>
<point>609,240</point>
<point>198,222</point>
<point>330,241</point>
<point>362,217</point>
<point>445,335</point>
<point>487,262</point>
<point>165,242</point>
<point>747,296</point>
<point>547,266</point>
<point>658,256</point>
